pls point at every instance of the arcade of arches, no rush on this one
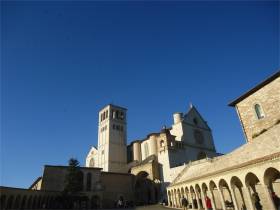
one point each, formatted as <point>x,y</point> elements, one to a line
<point>233,189</point>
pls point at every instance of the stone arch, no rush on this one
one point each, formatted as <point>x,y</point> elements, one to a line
<point>169,197</point>
<point>199,196</point>
<point>187,193</point>
<point>182,192</point>
<point>237,188</point>
<point>173,198</point>
<point>271,176</point>
<point>226,193</point>
<point>193,198</point>
<point>255,189</point>
<point>145,189</point>
<point>23,202</point>
<point>10,202</point>
<point>215,194</point>
<point>179,198</point>
<point>271,179</point>
<point>3,199</point>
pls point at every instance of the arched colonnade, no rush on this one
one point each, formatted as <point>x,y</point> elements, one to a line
<point>230,191</point>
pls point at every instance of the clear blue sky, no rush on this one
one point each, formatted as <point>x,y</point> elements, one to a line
<point>62,61</point>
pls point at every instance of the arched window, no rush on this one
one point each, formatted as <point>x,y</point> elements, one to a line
<point>146,147</point>
<point>161,143</point>
<point>88,181</point>
<point>259,111</point>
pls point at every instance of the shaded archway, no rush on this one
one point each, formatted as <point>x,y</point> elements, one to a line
<point>255,189</point>
<point>272,183</point>
<point>188,197</point>
<point>146,190</point>
<point>194,204</point>
<point>199,196</point>
<point>179,198</point>
<point>237,189</point>
<point>226,195</point>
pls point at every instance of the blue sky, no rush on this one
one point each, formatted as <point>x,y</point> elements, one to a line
<point>62,61</point>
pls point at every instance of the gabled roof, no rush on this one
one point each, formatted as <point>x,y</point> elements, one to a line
<point>256,88</point>
<point>193,109</point>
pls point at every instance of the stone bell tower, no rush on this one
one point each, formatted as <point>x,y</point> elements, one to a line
<point>112,138</point>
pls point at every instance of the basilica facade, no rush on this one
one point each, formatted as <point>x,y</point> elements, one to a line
<point>160,155</point>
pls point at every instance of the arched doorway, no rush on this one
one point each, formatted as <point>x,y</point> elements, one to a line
<point>145,189</point>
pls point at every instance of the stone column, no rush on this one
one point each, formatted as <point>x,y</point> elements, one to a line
<point>213,202</point>
<point>267,193</point>
<point>232,191</point>
<point>249,199</point>
<point>222,198</point>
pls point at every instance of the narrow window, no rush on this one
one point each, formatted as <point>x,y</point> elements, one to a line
<point>106,114</point>
<point>259,111</point>
<point>161,143</point>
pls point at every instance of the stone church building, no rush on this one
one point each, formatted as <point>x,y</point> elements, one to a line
<point>175,162</point>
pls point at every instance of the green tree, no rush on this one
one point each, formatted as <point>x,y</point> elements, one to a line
<point>74,178</point>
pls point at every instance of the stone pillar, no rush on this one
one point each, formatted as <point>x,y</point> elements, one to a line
<point>222,198</point>
<point>213,202</point>
<point>249,199</point>
<point>267,193</point>
<point>233,196</point>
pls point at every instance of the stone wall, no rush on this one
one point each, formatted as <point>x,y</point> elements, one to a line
<point>269,99</point>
